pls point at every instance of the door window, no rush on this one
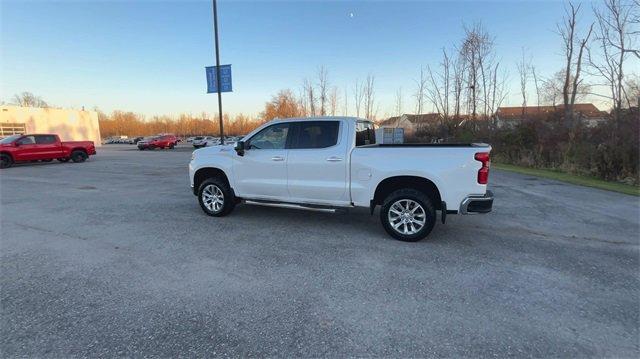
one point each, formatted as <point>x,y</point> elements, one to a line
<point>271,138</point>
<point>316,134</point>
<point>45,139</point>
<point>27,140</point>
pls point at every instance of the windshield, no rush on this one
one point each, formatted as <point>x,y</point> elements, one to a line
<point>9,139</point>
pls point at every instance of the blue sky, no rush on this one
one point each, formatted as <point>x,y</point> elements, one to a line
<point>149,56</point>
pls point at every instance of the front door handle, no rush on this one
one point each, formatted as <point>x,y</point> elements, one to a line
<point>277,158</point>
<point>334,159</point>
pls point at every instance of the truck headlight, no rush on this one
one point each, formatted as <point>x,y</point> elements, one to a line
<point>193,155</point>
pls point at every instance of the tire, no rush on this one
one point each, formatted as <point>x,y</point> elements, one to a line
<point>151,148</point>
<point>6,161</point>
<point>211,188</point>
<point>171,146</point>
<point>141,148</point>
<point>78,156</point>
<point>410,212</point>
<point>48,160</point>
<point>64,159</point>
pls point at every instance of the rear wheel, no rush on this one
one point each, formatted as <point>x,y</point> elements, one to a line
<point>5,161</point>
<point>48,160</point>
<point>408,215</point>
<point>78,156</point>
<point>215,197</point>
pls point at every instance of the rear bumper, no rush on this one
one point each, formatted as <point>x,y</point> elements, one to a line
<point>477,204</point>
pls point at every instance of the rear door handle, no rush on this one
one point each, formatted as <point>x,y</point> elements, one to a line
<point>277,158</point>
<point>334,159</point>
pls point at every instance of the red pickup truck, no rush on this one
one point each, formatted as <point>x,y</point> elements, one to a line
<point>21,148</point>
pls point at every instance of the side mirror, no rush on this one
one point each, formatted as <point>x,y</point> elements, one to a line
<point>17,143</point>
<point>240,148</point>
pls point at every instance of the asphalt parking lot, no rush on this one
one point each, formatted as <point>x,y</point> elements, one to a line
<point>114,257</point>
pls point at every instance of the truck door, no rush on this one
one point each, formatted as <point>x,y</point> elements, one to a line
<point>317,163</point>
<point>262,172</point>
<point>28,150</point>
<point>48,146</point>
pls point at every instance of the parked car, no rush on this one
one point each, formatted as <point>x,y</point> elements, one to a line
<point>162,142</point>
<point>336,163</point>
<point>201,141</point>
<point>135,140</point>
<point>45,147</point>
<point>215,141</point>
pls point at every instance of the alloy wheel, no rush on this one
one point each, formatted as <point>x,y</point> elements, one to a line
<point>407,216</point>
<point>213,198</point>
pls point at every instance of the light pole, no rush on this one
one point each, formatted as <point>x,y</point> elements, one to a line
<point>215,31</point>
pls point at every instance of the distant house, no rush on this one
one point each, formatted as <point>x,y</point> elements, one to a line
<point>412,123</point>
<point>587,112</point>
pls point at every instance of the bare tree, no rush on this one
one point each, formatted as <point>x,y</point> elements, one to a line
<point>459,69</point>
<point>572,80</point>
<point>420,91</point>
<point>553,87</point>
<point>523,70</point>
<point>439,85</point>
<point>498,89</point>
<point>333,100</point>
<point>478,52</point>
<point>27,99</point>
<point>536,83</point>
<point>322,89</point>
<point>369,97</point>
<point>358,96</point>
<point>310,98</point>
<point>398,106</point>
<point>613,35</point>
<point>345,103</point>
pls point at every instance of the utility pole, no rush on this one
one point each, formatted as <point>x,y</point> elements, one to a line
<point>215,30</point>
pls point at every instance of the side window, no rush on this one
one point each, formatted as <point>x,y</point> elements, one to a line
<point>45,139</point>
<point>365,134</point>
<point>316,134</point>
<point>271,138</point>
<point>27,140</point>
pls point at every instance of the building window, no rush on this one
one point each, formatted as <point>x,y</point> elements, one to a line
<point>8,129</point>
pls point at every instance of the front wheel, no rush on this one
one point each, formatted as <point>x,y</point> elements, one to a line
<point>215,197</point>
<point>78,156</point>
<point>5,161</point>
<point>408,215</point>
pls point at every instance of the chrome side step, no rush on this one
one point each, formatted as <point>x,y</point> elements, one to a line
<point>308,207</point>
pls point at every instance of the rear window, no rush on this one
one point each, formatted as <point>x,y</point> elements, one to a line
<point>316,134</point>
<point>365,133</point>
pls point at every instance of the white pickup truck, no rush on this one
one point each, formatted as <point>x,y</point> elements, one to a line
<point>334,162</point>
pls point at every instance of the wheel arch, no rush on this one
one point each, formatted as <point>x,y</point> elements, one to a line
<point>390,184</point>
<point>208,172</point>
<point>8,154</point>
<point>78,149</point>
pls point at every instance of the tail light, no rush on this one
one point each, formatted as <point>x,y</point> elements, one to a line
<point>483,172</point>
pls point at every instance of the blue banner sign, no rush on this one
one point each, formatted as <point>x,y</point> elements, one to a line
<point>225,78</point>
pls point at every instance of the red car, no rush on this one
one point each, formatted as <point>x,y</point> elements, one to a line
<point>22,148</point>
<point>164,141</point>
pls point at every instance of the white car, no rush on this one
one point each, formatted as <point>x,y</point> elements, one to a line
<point>333,162</point>
<point>201,141</point>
